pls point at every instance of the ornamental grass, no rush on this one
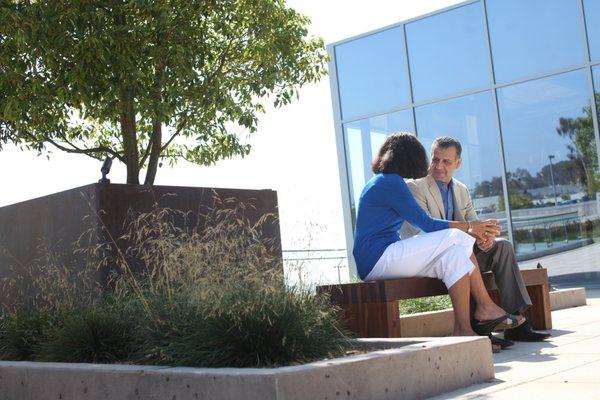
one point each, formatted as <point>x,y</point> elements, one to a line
<point>208,296</point>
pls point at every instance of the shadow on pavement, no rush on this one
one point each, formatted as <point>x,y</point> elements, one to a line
<point>557,332</point>
<point>589,280</point>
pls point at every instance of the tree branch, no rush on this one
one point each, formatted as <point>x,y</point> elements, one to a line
<point>77,150</point>
<point>177,132</point>
<point>146,152</point>
<point>74,149</point>
<point>84,151</point>
<point>154,153</point>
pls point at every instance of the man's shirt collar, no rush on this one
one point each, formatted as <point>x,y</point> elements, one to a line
<point>444,186</point>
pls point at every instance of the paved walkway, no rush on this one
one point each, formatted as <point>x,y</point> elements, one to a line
<point>565,367</point>
<point>580,260</point>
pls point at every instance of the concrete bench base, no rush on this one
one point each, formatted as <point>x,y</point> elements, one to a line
<point>567,298</point>
<point>430,323</point>
<point>441,323</point>
<point>414,368</point>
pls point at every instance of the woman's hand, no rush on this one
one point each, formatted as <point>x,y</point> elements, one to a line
<point>485,230</point>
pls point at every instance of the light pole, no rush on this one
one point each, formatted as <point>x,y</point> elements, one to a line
<point>550,157</point>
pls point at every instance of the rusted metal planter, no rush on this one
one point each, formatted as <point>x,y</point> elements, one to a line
<point>30,229</point>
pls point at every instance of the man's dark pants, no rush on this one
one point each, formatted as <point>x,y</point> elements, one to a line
<point>501,260</point>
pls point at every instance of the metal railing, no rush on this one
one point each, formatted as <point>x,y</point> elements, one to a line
<point>547,231</point>
<point>326,260</point>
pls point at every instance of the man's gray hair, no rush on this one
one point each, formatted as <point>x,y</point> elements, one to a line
<point>445,142</point>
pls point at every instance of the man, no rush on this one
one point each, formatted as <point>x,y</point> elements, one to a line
<point>444,197</point>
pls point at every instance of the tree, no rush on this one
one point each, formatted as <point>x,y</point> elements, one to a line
<point>566,172</point>
<point>488,188</point>
<point>582,149</point>
<point>148,81</point>
<point>517,201</point>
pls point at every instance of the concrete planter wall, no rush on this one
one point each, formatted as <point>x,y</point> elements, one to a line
<point>441,323</point>
<point>411,369</point>
<point>567,298</point>
<point>57,220</point>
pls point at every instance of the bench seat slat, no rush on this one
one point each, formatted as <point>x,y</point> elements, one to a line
<point>401,289</point>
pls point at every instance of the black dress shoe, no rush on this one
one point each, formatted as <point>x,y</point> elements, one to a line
<point>525,333</point>
<point>504,343</point>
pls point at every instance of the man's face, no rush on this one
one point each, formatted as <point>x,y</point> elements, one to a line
<point>443,163</point>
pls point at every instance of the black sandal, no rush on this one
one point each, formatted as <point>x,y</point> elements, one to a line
<point>484,328</point>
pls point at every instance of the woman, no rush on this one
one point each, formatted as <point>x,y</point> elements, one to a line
<point>445,251</point>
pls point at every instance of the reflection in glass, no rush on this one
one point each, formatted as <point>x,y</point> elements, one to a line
<point>372,74</point>
<point>363,139</point>
<point>470,119</point>
<point>448,53</point>
<point>551,163</point>
<point>592,22</point>
<point>534,36</point>
<point>596,74</point>
<point>596,79</point>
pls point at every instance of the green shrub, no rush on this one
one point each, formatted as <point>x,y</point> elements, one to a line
<point>246,326</point>
<point>96,334</point>
<point>22,333</point>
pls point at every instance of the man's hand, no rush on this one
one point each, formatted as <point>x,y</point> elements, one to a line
<point>485,244</point>
<point>485,230</point>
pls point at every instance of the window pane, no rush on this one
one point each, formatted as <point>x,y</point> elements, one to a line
<point>592,19</point>
<point>448,53</point>
<point>596,73</point>
<point>363,140</point>
<point>529,37</point>
<point>372,74</point>
<point>470,119</point>
<point>551,162</point>
<point>596,77</point>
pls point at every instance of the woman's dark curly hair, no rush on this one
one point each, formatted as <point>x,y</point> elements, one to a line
<point>402,154</point>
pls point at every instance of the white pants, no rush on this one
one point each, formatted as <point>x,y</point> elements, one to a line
<point>442,254</point>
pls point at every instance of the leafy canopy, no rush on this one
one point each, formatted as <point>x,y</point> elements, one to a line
<point>148,80</point>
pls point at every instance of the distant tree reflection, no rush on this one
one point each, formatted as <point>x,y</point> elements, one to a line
<point>582,149</point>
<point>580,169</point>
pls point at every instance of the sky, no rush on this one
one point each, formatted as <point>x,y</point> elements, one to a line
<point>293,150</point>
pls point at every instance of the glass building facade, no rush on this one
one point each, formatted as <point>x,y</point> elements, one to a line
<point>514,81</point>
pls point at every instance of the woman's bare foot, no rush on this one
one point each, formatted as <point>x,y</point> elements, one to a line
<point>491,311</point>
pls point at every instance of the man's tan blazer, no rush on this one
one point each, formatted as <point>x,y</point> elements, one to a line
<point>427,193</point>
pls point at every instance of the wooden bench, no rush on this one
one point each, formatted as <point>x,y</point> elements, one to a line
<point>371,308</point>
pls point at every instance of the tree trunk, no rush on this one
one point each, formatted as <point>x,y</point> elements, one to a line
<point>130,147</point>
<point>154,153</point>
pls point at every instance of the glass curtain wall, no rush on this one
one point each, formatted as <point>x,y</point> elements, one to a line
<point>530,37</point>
<point>511,80</point>
<point>592,23</point>
<point>447,53</point>
<point>372,74</point>
<point>363,139</point>
<point>471,120</point>
<point>596,75</point>
<point>551,162</point>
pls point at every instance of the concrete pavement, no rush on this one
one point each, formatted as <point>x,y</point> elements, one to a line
<point>565,367</point>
